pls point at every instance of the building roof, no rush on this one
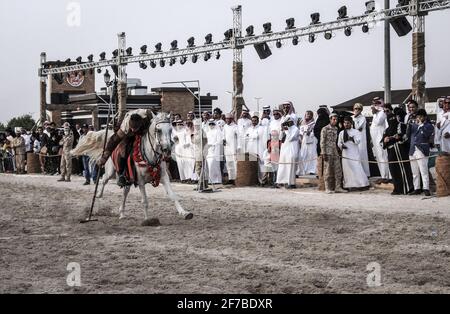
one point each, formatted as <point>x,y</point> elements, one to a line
<point>398,97</point>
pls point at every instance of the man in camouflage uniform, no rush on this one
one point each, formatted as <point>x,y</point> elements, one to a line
<point>332,164</point>
<point>18,144</point>
<point>66,158</point>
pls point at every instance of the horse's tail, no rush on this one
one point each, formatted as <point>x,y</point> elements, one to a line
<point>92,145</point>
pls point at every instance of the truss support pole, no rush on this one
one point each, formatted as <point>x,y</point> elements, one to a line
<point>43,92</point>
<point>122,79</point>
<point>238,83</point>
<point>387,57</point>
<point>418,54</point>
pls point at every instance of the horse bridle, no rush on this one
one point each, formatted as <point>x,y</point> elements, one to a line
<point>158,155</point>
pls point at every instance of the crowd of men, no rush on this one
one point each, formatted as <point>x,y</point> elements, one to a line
<point>52,145</point>
<point>336,147</point>
<point>333,146</point>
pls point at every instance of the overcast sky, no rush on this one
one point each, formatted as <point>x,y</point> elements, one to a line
<point>326,72</point>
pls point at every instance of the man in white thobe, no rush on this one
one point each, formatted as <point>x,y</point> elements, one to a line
<point>361,126</point>
<point>179,138</point>
<point>288,154</point>
<point>215,144</point>
<point>308,150</point>
<point>379,124</point>
<point>439,114</point>
<point>275,123</point>
<point>444,128</point>
<point>188,145</point>
<point>289,112</point>
<point>230,136</point>
<point>348,142</point>
<point>243,124</point>
<point>255,145</point>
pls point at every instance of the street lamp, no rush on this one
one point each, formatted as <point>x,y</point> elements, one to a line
<point>107,78</point>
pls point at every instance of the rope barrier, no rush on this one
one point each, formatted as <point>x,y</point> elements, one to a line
<point>315,159</point>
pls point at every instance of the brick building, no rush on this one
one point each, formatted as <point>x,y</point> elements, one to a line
<point>74,100</point>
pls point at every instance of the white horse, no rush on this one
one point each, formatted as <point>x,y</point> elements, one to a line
<point>155,148</point>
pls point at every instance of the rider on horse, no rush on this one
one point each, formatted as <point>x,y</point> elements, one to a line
<point>135,123</point>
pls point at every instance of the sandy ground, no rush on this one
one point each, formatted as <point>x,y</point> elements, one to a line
<point>245,240</point>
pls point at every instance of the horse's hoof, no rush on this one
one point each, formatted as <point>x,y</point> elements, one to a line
<point>154,222</point>
<point>189,216</point>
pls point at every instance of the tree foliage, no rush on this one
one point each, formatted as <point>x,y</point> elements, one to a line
<point>24,121</point>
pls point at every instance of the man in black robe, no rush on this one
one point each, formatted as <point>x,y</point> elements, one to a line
<point>395,141</point>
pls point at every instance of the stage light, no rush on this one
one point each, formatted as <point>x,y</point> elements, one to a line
<point>115,69</point>
<point>103,56</point>
<point>348,31</point>
<point>183,60</point>
<point>58,78</point>
<point>115,53</point>
<point>172,61</point>
<point>129,51</point>
<point>217,55</point>
<point>365,28</point>
<point>315,18</point>
<point>207,56</point>
<point>312,38</point>
<point>162,63</point>
<point>142,65</point>
<point>290,23</point>
<point>90,58</point>
<point>228,34</point>
<point>370,7</point>
<point>250,31</point>
<point>191,42</point>
<point>208,39</point>
<point>174,45</point>
<point>67,62</point>
<point>194,58</point>
<point>267,28</point>
<point>144,50</point>
<point>99,70</point>
<point>158,47</point>
<point>279,44</point>
<point>295,40</point>
<point>402,3</point>
<point>328,35</point>
<point>79,60</point>
<point>342,13</point>
<point>152,64</point>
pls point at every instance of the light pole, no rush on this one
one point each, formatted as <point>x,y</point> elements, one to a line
<point>258,99</point>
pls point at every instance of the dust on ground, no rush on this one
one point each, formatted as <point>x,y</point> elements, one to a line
<point>246,240</point>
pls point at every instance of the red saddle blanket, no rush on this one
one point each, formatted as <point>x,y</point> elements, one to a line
<point>153,172</point>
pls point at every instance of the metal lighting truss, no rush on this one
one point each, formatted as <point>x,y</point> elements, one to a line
<point>237,43</point>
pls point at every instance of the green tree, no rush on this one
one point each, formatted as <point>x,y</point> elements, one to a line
<point>2,127</point>
<point>24,121</point>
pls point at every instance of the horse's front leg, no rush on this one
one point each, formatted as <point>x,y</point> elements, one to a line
<point>109,174</point>
<point>126,190</point>
<point>144,199</point>
<point>166,183</point>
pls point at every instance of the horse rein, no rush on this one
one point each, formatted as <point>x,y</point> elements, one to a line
<point>158,141</point>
